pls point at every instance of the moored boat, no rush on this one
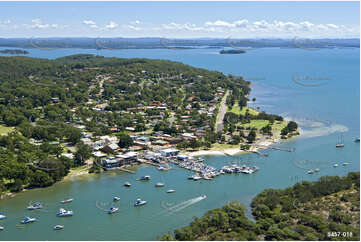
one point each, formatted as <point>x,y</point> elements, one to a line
<point>1,228</point>
<point>116,199</point>
<point>112,210</point>
<point>28,220</point>
<point>317,170</point>
<point>335,165</point>
<point>145,178</point>
<point>345,163</point>
<point>35,206</point>
<point>58,227</point>
<point>159,184</point>
<point>2,216</point>
<point>67,200</point>
<point>64,213</point>
<point>139,202</point>
<point>170,191</point>
<point>127,184</point>
<point>310,172</point>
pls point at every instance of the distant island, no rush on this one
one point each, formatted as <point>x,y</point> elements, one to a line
<point>232,52</point>
<point>14,52</point>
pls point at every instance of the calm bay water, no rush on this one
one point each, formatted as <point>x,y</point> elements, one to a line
<point>324,112</point>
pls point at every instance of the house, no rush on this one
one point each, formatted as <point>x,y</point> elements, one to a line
<point>110,148</point>
<point>159,142</point>
<point>127,158</point>
<point>98,154</point>
<point>130,129</point>
<point>68,155</point>
<point>169,152</point>
<point>110,163</point>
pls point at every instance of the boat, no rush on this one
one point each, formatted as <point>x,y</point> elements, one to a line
<point>112,210</point>
<point>335,165</point>
<point>2,216</point>
<point>190,178</point>
<point>28,220</point>
<point>170,191</point>
<point>35,206</point>
<point>357,140</point>
<point>196,178</point>
<point>345,163</point>
<point>204,196</point>
<point>317,170</point>
<point>1,228</point>
<point>116,199</point>
<point>64,213</point>
<point>127,184</point>
<point>340,144</point>
<point>139,202</point>
<point>159,184</point>
<point>58,227</point>
<point>310,172</point>
<point>67,200</point>
<point>145,178</point>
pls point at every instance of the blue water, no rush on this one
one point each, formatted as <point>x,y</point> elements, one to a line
<point>325,112</point>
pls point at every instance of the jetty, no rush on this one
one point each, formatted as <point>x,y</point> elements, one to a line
<point>126,170</point>
<point>148,162</point>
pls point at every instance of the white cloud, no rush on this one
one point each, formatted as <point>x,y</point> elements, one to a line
<point>38,24</point>
<point>134,27</point>
<point>111,25</point>
<point>90,23</point>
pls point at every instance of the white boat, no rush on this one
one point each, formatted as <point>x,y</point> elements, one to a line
<point>310,172</point>
<point>113,210</point>
<point>127,184</point>
<point>1,228</point>
<point>145,178</point>
<point>170,191</point>
<point>196,177</point>
<point>2,216</point>
<point>28,220</point>
<point>116,199</point>
<point>58,227</point>
<point>64,213</point>
<point>35,206</point>
<point>204,196</point>
<point>159,184</point>
<point>317,170</point>
<point>67,200</point>
<point>335,165</point>
<point>345,163</point>
<point>139,202</point>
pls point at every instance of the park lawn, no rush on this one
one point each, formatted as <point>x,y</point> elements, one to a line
<point>258,124</point>
<point>279,125</point>
<point>237,110</point>
<point>5,130</point>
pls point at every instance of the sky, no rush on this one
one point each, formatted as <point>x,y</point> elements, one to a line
<point>180,19</point>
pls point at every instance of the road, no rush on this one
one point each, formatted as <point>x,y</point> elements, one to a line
<point>222,111</point>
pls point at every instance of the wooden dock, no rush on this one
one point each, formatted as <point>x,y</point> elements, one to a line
<point>126,170</point>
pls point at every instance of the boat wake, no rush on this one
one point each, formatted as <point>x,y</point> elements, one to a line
<point>182,205</point>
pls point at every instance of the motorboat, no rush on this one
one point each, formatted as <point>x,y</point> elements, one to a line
<point>190,178</point>
<point>113,210</point>
<point>28,220</point>
<point>159,184</point>
<point>170,191</point>
<point>1,228</point>
<point>58,227</point>
<point>340,145</point>
<point>335,165</point>
<point>317,170</point>
<point>64,213</point>
<point>127,184</point>
<point>35,206</point>
<point>196,178</point>
<point>204,196</point>
<point>116,199</point>
<point>357,140</point>
<point>310,172</point>
<point>145,178</point>
<point>345,163</point>
<point>2,216</point>
<point>139,202</point>
<point>67,200</point>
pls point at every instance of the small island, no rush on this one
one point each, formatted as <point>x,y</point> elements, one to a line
<point>232,52</point>
<point>14,52</point>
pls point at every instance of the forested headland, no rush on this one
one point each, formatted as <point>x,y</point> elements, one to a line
<point>328,209</point>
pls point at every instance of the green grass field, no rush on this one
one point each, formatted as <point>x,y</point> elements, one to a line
<point>258,124</point>
<point>5,130</point>
<point>236,109</point>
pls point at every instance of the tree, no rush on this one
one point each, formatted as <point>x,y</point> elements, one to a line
<point>251,136</point>
<point>82,154</point>
<point>125,141</point>
<point>40,179</point>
